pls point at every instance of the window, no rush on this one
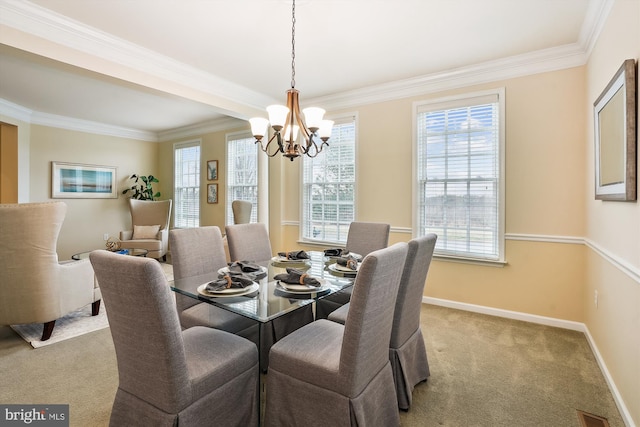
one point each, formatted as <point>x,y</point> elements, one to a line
<point>328,188</point>
<point>459,171</point>
<point>187,185</point>
<point>242,173</point>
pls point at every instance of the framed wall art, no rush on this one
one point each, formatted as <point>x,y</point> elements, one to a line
<point>212,193</point>
<point>79,181</point>
<point>615,136</point>
<point>212,170</point>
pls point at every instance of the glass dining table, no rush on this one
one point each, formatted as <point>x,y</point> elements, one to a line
<point>269,300</point>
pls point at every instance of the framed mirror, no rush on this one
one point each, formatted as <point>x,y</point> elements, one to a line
<point>615,136</point>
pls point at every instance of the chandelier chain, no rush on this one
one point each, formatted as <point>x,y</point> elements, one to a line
<point>293,44</point>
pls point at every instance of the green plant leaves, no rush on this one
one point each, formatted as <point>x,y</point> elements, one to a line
<point>142,190</point>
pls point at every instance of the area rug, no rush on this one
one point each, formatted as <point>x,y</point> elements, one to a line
<point>74,324</point>
<point>168,270</point>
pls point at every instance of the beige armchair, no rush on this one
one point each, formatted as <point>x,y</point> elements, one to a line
<point>34,286</point>
<point>241,211</point>
<point>150,227</point>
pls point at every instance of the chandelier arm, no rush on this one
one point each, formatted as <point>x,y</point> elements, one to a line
<point>265,148</point>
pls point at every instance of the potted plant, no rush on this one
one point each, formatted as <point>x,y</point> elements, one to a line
<point>142,187</point>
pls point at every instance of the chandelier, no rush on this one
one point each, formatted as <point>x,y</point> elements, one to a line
<point>287,122</point>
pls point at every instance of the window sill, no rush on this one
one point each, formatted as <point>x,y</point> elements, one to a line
<point>318,243</point>
<point>473,261</point>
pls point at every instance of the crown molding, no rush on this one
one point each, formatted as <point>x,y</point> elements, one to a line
<point>216,125</point>
<point>546,60</point>
<point>79,125</point>
<point>19,112</point>
<point>594,21</point>
<point>541,61</point>
<point>15,111</point>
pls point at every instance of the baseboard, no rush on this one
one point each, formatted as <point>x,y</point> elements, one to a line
<point>548,321</point>
<point>532,318</point>
<point>624,412</point>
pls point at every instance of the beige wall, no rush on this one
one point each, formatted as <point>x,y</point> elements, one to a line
<point>613,260</point>
<point>88,219</point>
<point>212,147</point>
<point>545,172</point>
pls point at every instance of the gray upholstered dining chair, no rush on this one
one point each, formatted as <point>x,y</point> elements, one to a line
<point>167,375</point>
<point>366,237</point>
<point>407,351</point>
<point>248,242</point>
<point>196,251</point>
<point>341,374</point>
<point>251,242</point>
<point>362,239</point>
<point>241,211</point>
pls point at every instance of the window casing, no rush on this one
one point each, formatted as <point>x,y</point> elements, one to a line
<point>186,184</point>
<point>242,173</point>
<point>329,187</point>
<point>459,175</point>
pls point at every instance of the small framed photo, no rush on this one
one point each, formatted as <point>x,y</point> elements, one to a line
<point>212,193</point>
<point>212,170</point>
<point>79,181</point>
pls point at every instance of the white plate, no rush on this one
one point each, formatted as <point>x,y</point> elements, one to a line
<point>302,289</point>
<point>343,269</point>
<point>289,261</point>
<point>233,292</point>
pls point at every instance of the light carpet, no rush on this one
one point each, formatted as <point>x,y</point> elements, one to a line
<point>74,324</point>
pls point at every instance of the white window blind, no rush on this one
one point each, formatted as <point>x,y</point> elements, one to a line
<point>242,173</point>
<point>328,188</point>
<point>187,185</point>
<point>459,175</point>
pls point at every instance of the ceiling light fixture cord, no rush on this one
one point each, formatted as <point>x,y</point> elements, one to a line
<point>293,45</point>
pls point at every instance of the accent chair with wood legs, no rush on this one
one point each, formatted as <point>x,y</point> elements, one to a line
<point>34,286</point>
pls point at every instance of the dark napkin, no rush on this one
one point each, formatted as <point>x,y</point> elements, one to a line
<point>333,252</point>
<point>294,255</point>
<point>350,262</point>
<point>293,276</point>
<point>228,281</point>
<point>243,266</point>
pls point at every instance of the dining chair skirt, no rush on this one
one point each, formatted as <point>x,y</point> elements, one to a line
<point>327,373</point>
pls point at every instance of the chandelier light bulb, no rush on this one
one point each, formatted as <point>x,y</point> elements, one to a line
<point>259,127</point>
<point>277,116</point>
<point>325,129</point>
<point>313,117</point>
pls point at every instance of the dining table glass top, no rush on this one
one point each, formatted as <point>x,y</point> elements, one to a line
<point>268,299</point>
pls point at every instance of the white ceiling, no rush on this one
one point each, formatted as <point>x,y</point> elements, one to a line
<point>158,65</point>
